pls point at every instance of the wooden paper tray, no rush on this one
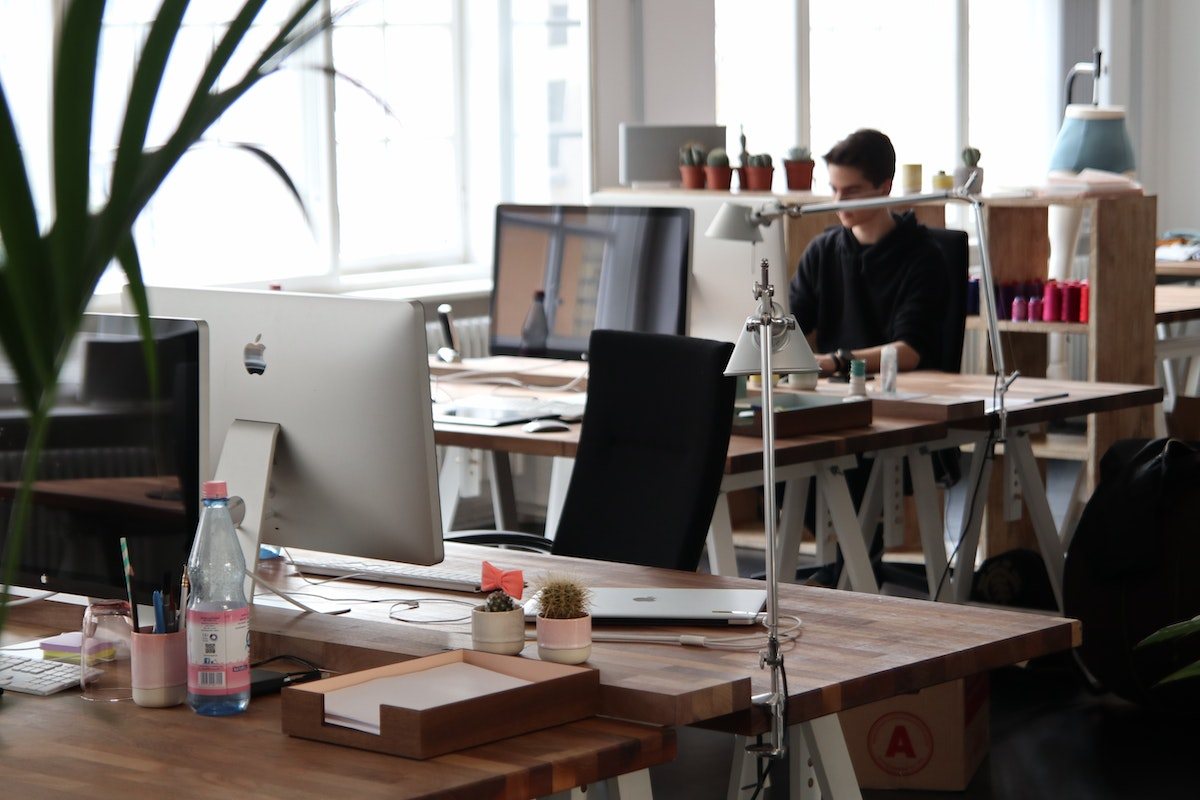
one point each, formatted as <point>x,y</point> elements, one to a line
<point>556,694</point>
<point>802,413</point>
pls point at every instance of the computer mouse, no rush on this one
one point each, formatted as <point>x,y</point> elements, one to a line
<point>545,426</point>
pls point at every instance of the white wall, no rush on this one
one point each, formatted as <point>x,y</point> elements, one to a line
<point>653,61</point>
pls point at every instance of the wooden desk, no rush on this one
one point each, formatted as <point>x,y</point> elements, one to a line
<point>1174,303</point>
<point>823,456</point>
<point>1031,402</point>
<point>854,649</point>
<point>62,746</point>
<point>1184,270</point>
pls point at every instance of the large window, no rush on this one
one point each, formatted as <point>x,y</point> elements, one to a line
<point>444,109</point>
<point>935,76</point>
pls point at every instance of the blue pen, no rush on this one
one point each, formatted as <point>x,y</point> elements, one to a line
<point>160,616</point>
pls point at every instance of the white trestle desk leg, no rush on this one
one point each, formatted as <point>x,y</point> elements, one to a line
<point>929,519</point>
<point>831,484</point>
<point>1021,452</point>
<point>1075,507</point>
<point>560,479</point>
<point>450,483</point>
<point>791,526</point>
<point>979,476</point>
<point>873,502</point>
<point>630,786</point>
<point>892,480</point>
<point>722,558</point>
<point>830,759</point>
<point>504,500</point>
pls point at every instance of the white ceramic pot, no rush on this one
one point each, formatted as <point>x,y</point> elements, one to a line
<point>500,632</point>
<point>564,641</point>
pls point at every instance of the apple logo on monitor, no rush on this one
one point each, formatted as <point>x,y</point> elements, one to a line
<point>253,358</point>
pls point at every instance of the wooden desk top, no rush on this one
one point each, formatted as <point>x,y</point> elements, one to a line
<point>62,746</point>
<point>1174,303</point>
<point>139,497</point>
<point>854,649</point>
<point>1024,407</point>
<point>1177,269</point>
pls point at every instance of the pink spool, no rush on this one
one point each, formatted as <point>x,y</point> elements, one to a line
<point>1035,309</point>
<point>1051,301</point>
<point>1020,309</point>
<point>1084,301</point>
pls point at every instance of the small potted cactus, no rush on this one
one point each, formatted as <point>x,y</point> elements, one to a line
<point>743,158</point>
<point>564,626</point>
<point>691,165</point>
<point>759,173</point>
<point>717,172</point>
<point>970,158</point>
<point>798,166</point>
<point>498,626</point>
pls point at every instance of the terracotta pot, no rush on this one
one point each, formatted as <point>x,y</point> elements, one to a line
<point>799,174</point>
<point>758,179</point>
<point>498,631</point>
<point>693,177</point>
<point>741,173</point>
<point>564,641</point>
<point>719,178</point>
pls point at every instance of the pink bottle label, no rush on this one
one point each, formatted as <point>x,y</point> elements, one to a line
<point>218,651</point>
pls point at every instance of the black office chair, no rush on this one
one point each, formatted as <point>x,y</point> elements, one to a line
<point>956,254</point>
<point>651,453</point>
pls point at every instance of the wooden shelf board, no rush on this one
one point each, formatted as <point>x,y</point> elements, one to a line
<point>976,323</point>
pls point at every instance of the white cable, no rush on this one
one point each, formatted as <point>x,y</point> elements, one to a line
<point>24,601</point>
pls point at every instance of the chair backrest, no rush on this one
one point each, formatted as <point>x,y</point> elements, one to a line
<point>651,452</point>
<point>955,253</point>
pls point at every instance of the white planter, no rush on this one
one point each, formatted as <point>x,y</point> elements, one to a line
<point>500,632</point>
<point>564,641</point>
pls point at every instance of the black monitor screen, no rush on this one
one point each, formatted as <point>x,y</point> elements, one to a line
<point>119,460</point>
<point>616,267</point>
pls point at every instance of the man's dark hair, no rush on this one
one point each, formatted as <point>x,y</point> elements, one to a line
<point>867,150</point>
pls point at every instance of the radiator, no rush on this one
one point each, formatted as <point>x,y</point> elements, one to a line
<point>472,336</point>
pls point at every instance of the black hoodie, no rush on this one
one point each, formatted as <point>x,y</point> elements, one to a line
<point>857,297</point>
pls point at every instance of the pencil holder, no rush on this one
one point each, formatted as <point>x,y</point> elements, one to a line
<point>159,669</point>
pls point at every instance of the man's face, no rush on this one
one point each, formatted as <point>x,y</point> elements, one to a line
<point>848,183</point>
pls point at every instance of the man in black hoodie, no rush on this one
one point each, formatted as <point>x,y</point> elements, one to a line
<point>876,279</point>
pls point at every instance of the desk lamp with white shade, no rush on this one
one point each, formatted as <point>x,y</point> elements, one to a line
<point>789,353</point>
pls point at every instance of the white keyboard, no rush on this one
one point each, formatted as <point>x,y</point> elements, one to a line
<point>389,572</point>
<point>36,675</point>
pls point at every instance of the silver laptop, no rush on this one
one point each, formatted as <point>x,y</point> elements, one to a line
<point>645,605</point>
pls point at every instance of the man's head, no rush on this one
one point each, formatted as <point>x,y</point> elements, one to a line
<point>861,165</point>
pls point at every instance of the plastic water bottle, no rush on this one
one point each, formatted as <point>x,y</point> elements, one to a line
<point>536,328</point>
<point>218,616</point>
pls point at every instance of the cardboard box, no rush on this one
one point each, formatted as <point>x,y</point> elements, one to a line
<point>934,739</point>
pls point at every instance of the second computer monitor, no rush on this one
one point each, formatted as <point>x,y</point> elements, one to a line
<point>347,380</point>
<point>615,267</point>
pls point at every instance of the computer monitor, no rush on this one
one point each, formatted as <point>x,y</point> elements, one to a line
<point>347,381</point>
<point>120,460</point>
<point>615,267</point>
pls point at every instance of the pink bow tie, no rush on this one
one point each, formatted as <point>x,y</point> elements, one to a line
<point>511,581</point>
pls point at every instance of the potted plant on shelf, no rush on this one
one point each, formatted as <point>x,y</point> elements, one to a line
<point>798,166</point>
<point>691,166</point>
<point>564,626</point>
<point>970,158</point>
<point>759,173</point>
<point>743,158</point>
<point>498,626</point>
<point>48,273</point>
<point>718,174</point>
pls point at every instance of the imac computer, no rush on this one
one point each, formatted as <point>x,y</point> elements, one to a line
<point>121,459</point>
<point>614,267</point>
<point>343,383</point>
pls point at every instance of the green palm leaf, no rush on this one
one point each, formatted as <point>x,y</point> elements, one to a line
<point>47,279</point>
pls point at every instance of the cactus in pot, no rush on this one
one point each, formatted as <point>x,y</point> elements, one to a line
<point>717,171</point>
<point>564,626</point>
<point>798,167</point>
<point>759,173</point>
<point>498,625</point>
<point>691,165</point>
<point>970,159</point>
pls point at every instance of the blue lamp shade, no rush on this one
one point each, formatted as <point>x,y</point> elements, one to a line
<point>1092,137</point>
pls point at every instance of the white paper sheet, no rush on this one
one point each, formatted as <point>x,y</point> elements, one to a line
<point>357,706</point>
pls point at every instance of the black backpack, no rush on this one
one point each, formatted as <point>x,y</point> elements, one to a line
<point>1132,569</point>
